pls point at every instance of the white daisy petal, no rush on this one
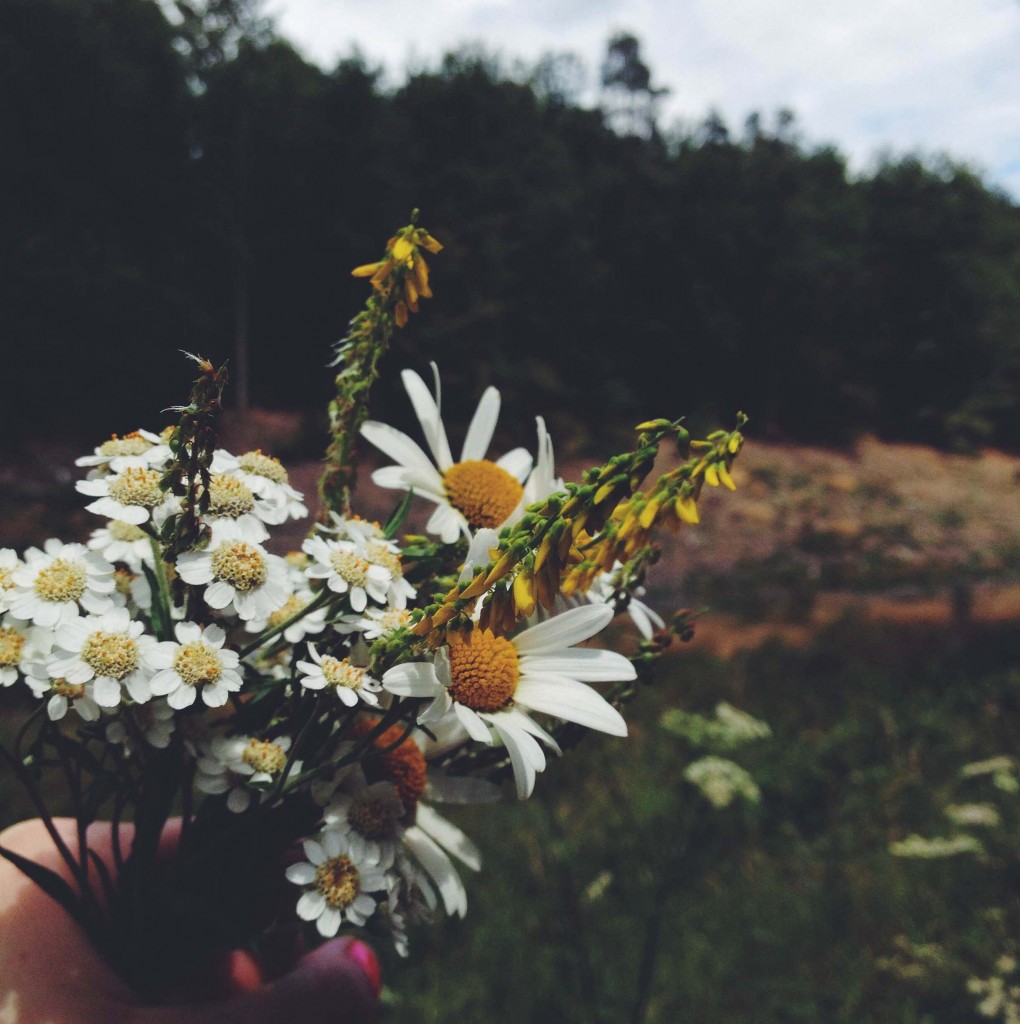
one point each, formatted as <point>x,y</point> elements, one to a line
<point>587,665</point>
<point>483,423</point>
<point>572,701</point>
<point>427,411</point>
<point>564,630</point>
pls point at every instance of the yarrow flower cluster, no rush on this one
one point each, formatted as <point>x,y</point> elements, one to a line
<point>309,710</point>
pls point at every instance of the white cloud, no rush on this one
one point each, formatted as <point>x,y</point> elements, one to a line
<point>933,75</point>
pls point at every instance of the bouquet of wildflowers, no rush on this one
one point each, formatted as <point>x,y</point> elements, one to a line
<point>294,723</point>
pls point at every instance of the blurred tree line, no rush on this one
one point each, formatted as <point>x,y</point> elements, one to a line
<point>176,176</point>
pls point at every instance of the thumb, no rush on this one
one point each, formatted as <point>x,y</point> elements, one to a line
<point>338,983</point>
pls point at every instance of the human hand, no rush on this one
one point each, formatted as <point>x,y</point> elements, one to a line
<point>50,973</point>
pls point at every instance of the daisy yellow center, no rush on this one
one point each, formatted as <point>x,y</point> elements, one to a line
<point>349,566</point>
<point>61,581</point>
<point>265,756</point>
<point>380,554</point>
<point>340,672</point>
<point>130,444</point>
<point>11,644</point>
<point>197,663</point>
<point>229,497</point>
<point>485,493</point>
<point>484,670</point>
<point>339,882</point>
<point>263,465</point>
<point>6,577</point>
<point>288,611</point>
<point>403,766</point>
<point>125,531</point>
<point>137,486</point>
<point>110,654</point>
<point>394,618</point>
<point>372,819</point>
<point>63,688</point>
<point>241,565</point>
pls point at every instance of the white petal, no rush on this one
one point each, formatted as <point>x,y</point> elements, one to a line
<point>219,594</point>
<point>414,679</point>
<point>439,868</point>
<point>106,692</point>
<point>311,905</point>
<point>525,754</point>
<point>301,874</point>
<point>475,727</point>
<point>449,837</point>
<point>483,423</point>
<point>571,701</point>
<point>329,922</point>
<point>517,463</point>
<point>398,446</point>
<point>565,630</point>
<point>590,666</point>
<point>238,800</point>
<point>182,697</point>
<point>56,707</point>
<point>164,682</point>
<point>314,852</point>
<point>427,411</point>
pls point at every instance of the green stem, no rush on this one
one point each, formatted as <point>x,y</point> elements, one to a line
<point>165,601</point>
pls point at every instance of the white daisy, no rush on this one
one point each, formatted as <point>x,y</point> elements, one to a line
<point>348,682</point>
<point>62,694</point>
<point>368,817</point>
<point>9,564</point>
<point>20,646</point>
<point>141,445</point>
<point>237,574</point>
<point>232,501</point>
<point>489,680</point>
<point>240,765</point>
<point>52,583</point>
<point>375,622</point>
<point>312,622</point>
<point>338,885</point>
<point>267,479</point>
<point>472,493</point>
<point>132,495</point>
<point>122,542</point>
<point>346,570</point>
<point>196,661</point>
<point>155,721</point>
<point>110,651</point>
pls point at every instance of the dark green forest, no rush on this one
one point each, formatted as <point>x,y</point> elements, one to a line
<point>200,186</point>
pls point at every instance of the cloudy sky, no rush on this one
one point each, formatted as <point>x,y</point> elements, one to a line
<point>929,75</point>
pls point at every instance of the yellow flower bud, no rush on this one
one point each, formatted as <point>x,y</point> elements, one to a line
<point>725,478</point>
<point>712,475</point>
<point>687,511</point>
<point>524,592</point>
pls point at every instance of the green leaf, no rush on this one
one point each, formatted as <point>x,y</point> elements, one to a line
<point>398,516</point>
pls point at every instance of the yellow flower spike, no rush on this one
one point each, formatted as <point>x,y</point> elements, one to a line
<point>649,512</point>
<point>724,477</point>
<point>687,511</point>
<point>367,269</point>
<point>443,616</point>
<point>427,242</point>
<point>476,587</point>
<point>506,562</point>
<point>423,626</point>
<point>524,592</point>
<point>569,585</point>
<point>604,491</point>
<point>712,475</point>
<point>403,249</point>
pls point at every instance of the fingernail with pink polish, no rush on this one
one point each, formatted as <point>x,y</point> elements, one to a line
<point>366,959</point>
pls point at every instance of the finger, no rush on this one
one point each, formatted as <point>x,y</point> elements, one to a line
<point>338,983</point>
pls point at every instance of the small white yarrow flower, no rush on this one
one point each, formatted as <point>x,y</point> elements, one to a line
<point>349,682</point>
<point>196,663</point>
<point>53,584</point>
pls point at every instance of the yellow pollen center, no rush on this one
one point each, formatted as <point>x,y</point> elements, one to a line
<point>394,618</point>
<point>110,654</point>
<point>263,465</point>
<point>339,672</point>
<point>197,663</point>
<point>483,669</point>
<point>131,444</point>
<point>349,566</point>
<point>11,644</point>
<point>264,756</point>
<point>288,611</point>
<point>229,497</point>
<point>137,486</point>
<point>122,580</point>
<point>6,578</point>
<point>61,581</point>
<point>125,531</point>
<point>372,819</point>
<point>339,881</point>
<point>485,493</point>
<point>63,688</point>
<point>240,565</point>
<point>380,554</point>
